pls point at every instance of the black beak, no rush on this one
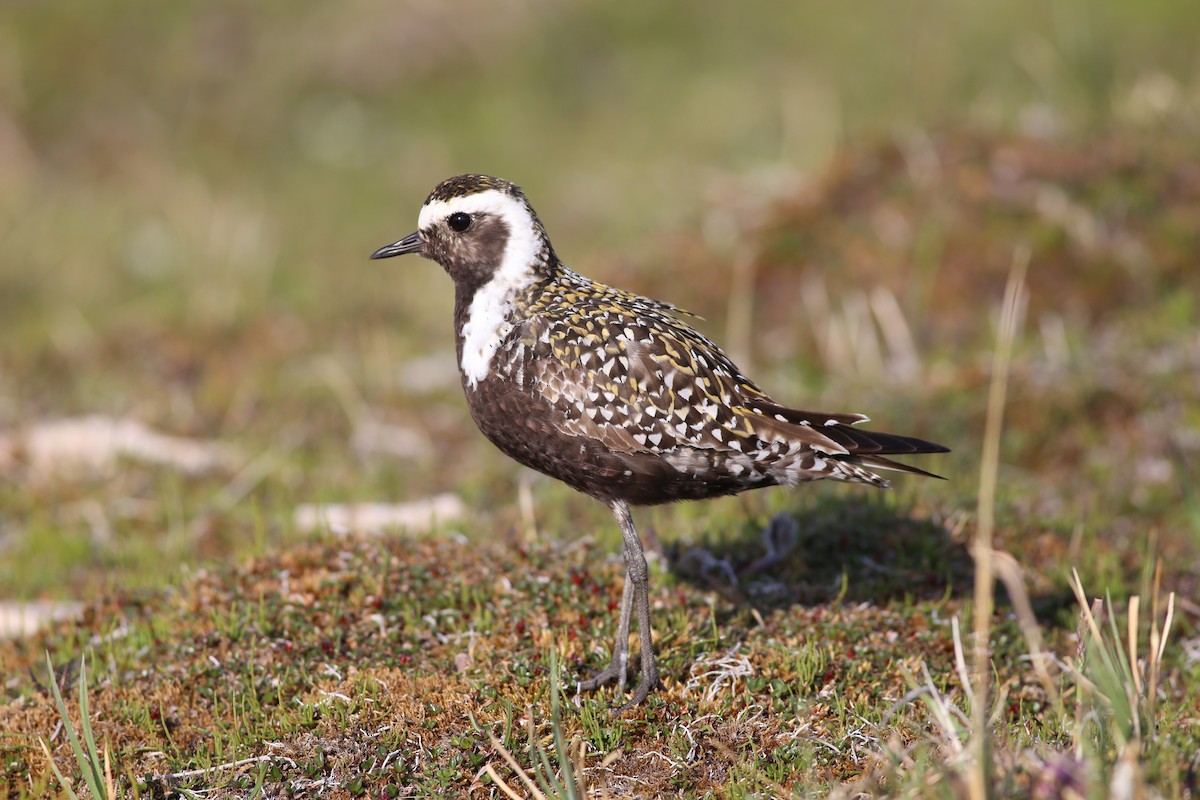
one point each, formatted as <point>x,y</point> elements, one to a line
<point>409,244</point>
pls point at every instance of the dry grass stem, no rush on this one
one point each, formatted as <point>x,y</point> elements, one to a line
<point>981,545</point>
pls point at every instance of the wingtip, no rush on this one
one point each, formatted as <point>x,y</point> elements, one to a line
<point>879,462</point>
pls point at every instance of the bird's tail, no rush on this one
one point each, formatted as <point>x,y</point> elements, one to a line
<point>843,452</point>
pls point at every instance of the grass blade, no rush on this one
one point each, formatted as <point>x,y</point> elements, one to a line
<point>57,772</point>
<point>88,760</point>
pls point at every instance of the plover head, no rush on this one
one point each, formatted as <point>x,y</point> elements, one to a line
<point>485,234</point>
<point>481,230</point>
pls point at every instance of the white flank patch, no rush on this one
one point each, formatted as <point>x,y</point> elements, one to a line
<point>488,317</point>
<point>687,460</point>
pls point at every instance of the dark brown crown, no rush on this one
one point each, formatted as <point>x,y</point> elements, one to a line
<point>471,183</point>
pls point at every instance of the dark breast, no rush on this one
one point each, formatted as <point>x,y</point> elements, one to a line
<point>525,427</point>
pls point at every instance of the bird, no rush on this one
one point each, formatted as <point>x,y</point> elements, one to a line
<point>615,394</point>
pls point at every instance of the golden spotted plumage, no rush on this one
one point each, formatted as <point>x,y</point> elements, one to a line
<point>621,366</point>
<point>625,371</point>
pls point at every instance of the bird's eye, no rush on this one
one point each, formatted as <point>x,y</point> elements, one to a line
<point>459,221</point>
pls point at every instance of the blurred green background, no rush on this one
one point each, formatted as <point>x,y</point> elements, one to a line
<point>199,163</point>
<point>189,192</point>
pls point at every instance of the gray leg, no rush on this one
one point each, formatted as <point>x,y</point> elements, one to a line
<point>636,594</point>
<point>618,665</point>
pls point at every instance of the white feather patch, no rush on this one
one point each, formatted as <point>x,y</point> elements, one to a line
<point>488,320</point>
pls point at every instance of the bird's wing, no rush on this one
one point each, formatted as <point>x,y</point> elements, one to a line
<point>622,370</point>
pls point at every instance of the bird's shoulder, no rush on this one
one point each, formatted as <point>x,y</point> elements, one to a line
<point>626,369</point>
<point>577,320</point>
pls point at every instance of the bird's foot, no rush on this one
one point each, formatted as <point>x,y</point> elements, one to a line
<point>645,686</point>
<point>617,670</point>
<point>612,672</point>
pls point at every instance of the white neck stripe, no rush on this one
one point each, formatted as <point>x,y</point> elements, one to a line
<point>488,321</point>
